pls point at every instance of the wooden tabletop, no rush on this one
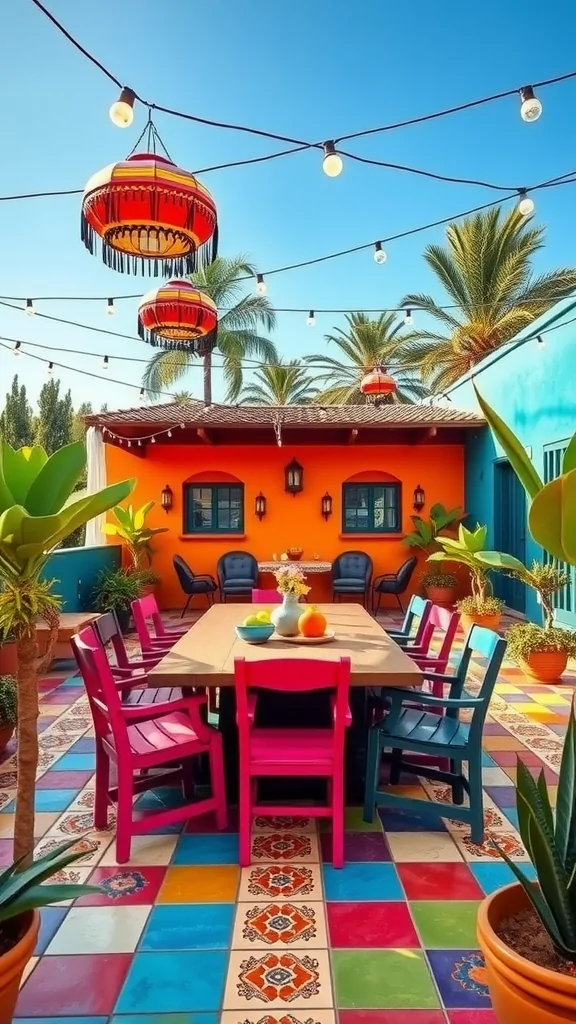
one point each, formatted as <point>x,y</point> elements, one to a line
<point>205,655</point>
<point>70,623</point>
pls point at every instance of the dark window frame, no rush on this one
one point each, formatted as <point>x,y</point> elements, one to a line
<point>188,524</point>
<point>368,527</point>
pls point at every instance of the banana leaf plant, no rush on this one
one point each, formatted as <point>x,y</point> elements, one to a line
<point>130,526</point>
<point>37,511</point>
<point>426,531</point>
<point>468,549</point>
<point>551,844</point>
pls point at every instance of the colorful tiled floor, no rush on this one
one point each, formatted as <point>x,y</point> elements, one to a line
<point>182,935</point>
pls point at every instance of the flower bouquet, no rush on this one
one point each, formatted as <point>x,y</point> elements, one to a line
<point>291,581</point>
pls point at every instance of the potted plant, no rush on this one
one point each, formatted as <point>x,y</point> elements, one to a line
<point>8,710</point>
<point>114,591</point>
<point>542,651</point>
<point>527,931</point>
<point>8,656</point>
<point>424,537</point>
<point>21,894</point>
<point>130,527</point>
<point>37,511</point>
<point>481,608</point>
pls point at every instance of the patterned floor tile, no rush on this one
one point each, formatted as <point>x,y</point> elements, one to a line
<point>131,887</point>
<point>280,924</point>
<point>258,1016</point>
<point>284,824</point>
<point>262,883</point>
<point>278,979</point>
<point>285,848</point>
<point>383,978</point>
<point>507,841</point>
<point>371,926</point>
<point>461,977</point>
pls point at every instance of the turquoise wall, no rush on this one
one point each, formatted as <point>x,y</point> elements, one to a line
<point>533,388</point>
<point>75,571</point>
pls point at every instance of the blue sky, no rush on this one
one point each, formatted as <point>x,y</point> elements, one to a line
<point>311,70</point>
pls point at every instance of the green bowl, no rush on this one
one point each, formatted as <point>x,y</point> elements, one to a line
<point>255,634</point>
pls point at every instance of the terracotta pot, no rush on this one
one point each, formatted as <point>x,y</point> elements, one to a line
<point>295,554</point>
<point>546,666</point>
<point>488,621</point>
<point>150,589</point>
<point>520,990</point>
<point>6,734</point>
<point>12,965</point>
<point>8,659</point>
<point>440,595</point>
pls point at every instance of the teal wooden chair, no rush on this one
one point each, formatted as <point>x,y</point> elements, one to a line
<point>434,728</point>
<point>414,625</point>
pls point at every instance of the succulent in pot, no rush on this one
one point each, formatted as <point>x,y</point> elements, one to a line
<point>541,651</point>
<point>440,586</point>
<point>8,710</point>
<point>114,591</point>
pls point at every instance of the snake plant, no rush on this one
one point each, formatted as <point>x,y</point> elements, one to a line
<point>551,844</point>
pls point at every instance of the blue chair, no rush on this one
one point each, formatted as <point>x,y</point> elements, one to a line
<point>438,732</point>
<point>418,613</point>
<point>351,574</point>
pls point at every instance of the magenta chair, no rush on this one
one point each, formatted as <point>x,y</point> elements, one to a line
<point>137,739</point>
<point>145,610</point>
<point>266,752</point>
<point>266,597</point>
<point>442,621</point>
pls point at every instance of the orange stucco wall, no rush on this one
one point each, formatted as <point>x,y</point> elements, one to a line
<point>289,521</point>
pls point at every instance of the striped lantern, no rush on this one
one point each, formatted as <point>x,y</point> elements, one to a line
<point>378,386</point>
<point>151,217</point>
<point>178,316</point>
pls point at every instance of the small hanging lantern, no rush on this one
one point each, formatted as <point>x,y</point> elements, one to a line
<point>327,506</point>
<point>294,478</point>
<point>151,217</point>
<point>419,498</point>
<point>178,316</point>
<point>378,386</point>
<point>260,506</point>
<point>166,498</point>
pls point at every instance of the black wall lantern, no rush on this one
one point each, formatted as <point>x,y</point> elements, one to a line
<point>419,498</point>
<point>166,498</point>
<point>294,478</point>
<point>260,506</point>
<point>327,506</point>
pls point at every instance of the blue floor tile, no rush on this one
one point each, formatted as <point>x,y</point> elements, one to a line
<point>86,745</point>
<point>493,876</point>
<point>189,926</point>
<point>362,882</point>
<point>47,800</point>
<point>487,761</point>
<point>512,814</point>
<point>162,798</point>
<point>72,762</point>
<point>207,849</point>
<point>174,982</point>
<point>456,973</point>
<point>50,920</point>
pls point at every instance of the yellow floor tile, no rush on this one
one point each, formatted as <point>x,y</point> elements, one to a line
<point>200,884</point>
<point>501,743</point>
<point>507,688</point>
<point>551,699</point>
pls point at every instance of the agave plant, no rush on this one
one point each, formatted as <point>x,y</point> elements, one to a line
<point>130,526</point>
<point>551,845</point>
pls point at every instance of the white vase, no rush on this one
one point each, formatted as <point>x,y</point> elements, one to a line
<point>285,616</point>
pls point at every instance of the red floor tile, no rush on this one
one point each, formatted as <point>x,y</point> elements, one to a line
<point>439,882</point>
<point>508,758</point>
<point>391,1017</point>
<point>371,926</point>
<point>124,886</point>
<point>64,986</point>
<point>472,1017</point>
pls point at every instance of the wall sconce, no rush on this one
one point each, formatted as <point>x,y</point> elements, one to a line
<point>166,498</point>
<point>294,478</point>
<point>327,506</point>
<point>260,506</point>
<point>419,498</point>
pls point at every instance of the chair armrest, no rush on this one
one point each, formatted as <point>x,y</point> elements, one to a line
<point>383,576</point>
<point>441,677</point>
<point>205,576</point>
<point>130,673</point>
<point>397,697</point>
<point>131,683</point>
<point>333,702</point>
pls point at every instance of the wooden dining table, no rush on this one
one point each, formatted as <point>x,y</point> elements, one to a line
<point>205,655</point>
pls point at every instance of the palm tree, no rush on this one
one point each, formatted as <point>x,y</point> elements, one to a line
<point>238,336</point>
<point>365,343</point>
<point>279,384</point>
<point>486,270</point>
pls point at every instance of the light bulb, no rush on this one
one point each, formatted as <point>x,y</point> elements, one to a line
<point>408,319</point>
<point>540,341</point>
<point>16,349</point>
<point>50,369</point>
<point>379,254</point>
<point>531,107</point>
<point>122,111</point>
<point>153,439</point>
<point>169,433</point>
<point>526,205</point>
<point>311,319</point>
<point>105,363</point>
<point>332,164</point>
<point>261,284</point>
<point>29,307</point>
<point>110,307</point>
<point>141,396</point>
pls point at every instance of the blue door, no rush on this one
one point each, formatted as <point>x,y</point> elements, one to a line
<point>565,600</point>
<point>509,531</point>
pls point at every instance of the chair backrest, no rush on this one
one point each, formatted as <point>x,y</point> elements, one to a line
<point>144,610</point>
<point>266,597</point>
<point>491,648</point>
<point>404,574</point>
<point>101,688</point>
<point>352,565</point>
<point>184,573</point>
<point>418,611</point>
<point>288,675</point>
<point>108,631</point>
<point>240,565</point>
<point>446,622</point>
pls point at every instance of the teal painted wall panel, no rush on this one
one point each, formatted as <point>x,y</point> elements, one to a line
<point>75,571</point>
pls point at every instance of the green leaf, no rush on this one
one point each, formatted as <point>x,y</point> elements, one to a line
<point>56,480</point>
<point>513,449</point>
<point>140,515</point>
<point>534,895</point>
<point>500,560</point>
<point>553,882</point>
<point>568,517</point>
<point>21,469</point>
<point>565,833</point>
<point>123,517</point>
<point>545,801</point>
<point>545,519</point>
<point>569,460</point>
<point>43,895</point>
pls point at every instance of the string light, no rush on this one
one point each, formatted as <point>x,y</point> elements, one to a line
<point>540,341</point>
<point>29,307</point>
<point>141,396</point>
<point>122,111</point>
<point>311,319</point>
<point>50,370</point>
<point>153,439</point>
<point>110,308</point>
<point>261,284</point>
<point>379,254</point>
<point>531,108</point>
<point>16,349</point>
<point>408,318</point>
<point>332,164</point>
<point>105,363</point>
<point>526,205</point>
<point>169,433</point>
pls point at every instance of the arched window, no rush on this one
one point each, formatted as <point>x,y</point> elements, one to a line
<point>372,503</point>
<point>213,503</point>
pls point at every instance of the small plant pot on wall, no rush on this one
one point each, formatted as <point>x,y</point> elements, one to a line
<point>439,587</point>
<point>13,962</point>
<point>520,989</point>
<point>542,653</point>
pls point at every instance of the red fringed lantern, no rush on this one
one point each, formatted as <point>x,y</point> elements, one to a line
<point>151,216</point>
<point>178,316</point>
<point>378,385</point>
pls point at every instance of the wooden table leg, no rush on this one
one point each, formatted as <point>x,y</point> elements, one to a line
<point>356,745</point>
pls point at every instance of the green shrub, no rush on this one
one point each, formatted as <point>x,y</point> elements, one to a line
<point>478,605</point>
<point>525,638</point>
<point>437,578</point>
<point>8,702</point>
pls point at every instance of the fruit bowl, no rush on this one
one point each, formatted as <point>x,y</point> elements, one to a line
<point>295,554</point>
<point>255,634</point>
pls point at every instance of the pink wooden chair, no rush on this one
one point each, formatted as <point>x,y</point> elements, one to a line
<point>144,611</point>
<point>266,597</point>
<point>445,622</point>
<point>266,752</point>
<point>137,739</point>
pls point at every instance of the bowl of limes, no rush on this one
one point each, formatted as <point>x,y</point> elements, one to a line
<point>256,629</point>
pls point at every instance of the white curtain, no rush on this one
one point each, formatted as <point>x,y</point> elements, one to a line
<point>96,481</point>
